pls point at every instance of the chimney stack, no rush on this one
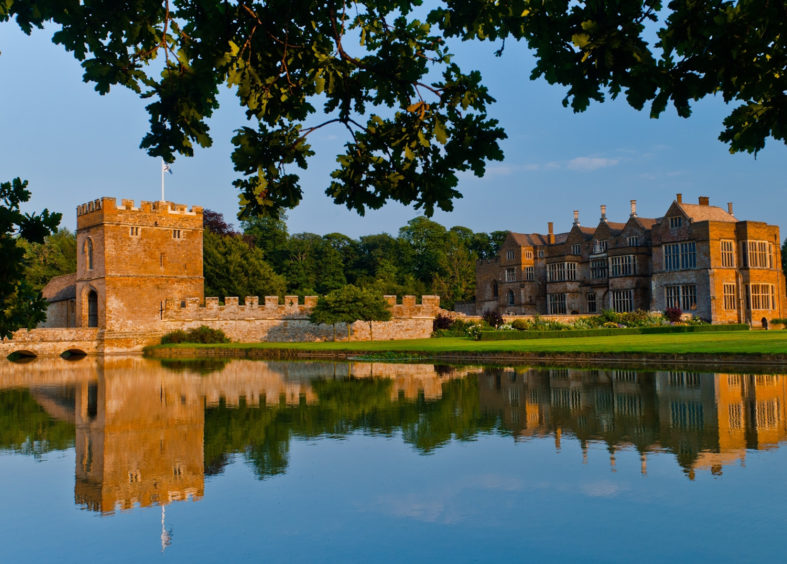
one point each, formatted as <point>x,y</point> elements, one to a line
<point>704,201</point>
<point>551,229</point>
<point>603,212</point>
<point>576,217</point>
<point>729,208</point>
<point>679,198</point>
<point>633,208</point>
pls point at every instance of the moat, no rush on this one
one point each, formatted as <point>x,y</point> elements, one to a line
<point>125,459</point>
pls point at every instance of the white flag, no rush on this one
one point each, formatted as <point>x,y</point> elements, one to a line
<point>165,167</point>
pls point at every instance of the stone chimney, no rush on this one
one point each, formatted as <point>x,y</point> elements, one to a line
<point>704,201</point>
<point>576,217</point>
<point>603,212</point>
<point>729,208</point>
<point>551,230</point>
<point>633,208</point>
<point>679,198</point>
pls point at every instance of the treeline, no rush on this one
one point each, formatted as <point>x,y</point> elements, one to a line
<point>264,258</point>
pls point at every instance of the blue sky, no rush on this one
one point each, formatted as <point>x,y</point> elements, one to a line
<point>74,145</point>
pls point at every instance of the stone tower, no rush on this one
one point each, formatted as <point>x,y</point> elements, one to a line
<point>130,260</point>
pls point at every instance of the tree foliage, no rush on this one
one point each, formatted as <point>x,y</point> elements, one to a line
<point>21,304</point>
<point>655,54</point>
<point>56,256</point>
<point>349,304</point>
<point>233,268</point>
<point>414,119</point>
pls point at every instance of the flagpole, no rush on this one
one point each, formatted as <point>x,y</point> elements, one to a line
<point>162,180</point>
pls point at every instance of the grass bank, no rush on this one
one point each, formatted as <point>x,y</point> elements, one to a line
<point>734,347</point>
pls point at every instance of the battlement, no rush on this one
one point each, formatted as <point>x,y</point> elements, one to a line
<point>109,205</point>
<point>273,308</point>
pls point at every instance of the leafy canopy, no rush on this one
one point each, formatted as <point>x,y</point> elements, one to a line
<point>653,52</point>
<point>414,119</point>
<point>21,304</point>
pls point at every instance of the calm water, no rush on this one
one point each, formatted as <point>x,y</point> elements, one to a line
<point>132,460</point>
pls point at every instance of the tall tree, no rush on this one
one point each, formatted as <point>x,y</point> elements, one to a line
<point>457,281</point>
<point>424,244</point>
<point>233,268</point>
<point>21,305</point>
<point>57,255</point>
<point>269,234</point>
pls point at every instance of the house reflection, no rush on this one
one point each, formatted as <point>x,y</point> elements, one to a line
<point>707,420</point>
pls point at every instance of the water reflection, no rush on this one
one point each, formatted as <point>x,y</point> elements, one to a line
<point>706,420</point>
<point>148,433</point>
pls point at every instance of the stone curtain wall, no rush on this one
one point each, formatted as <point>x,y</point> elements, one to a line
<point>289,321</point>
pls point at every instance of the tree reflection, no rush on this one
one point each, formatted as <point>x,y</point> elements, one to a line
<point>343,406</point>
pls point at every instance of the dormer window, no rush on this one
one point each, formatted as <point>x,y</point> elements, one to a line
<point>633,241</point>
<point>509,255</point>
<point>576,249</point>
<point>675,222</point>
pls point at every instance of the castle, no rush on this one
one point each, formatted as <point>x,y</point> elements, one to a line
<point>129,261</point>
<point>139,275</point>
<point>698,258</point>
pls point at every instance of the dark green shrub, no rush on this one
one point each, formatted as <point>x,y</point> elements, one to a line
<point>521,324</point>
<point>202,335</point>
<point>178,336</point>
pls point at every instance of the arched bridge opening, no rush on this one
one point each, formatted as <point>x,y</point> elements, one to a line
<point>22,356</point>
<point>74,354</point>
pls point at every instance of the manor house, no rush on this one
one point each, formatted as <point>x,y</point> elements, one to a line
<point>697,257</point>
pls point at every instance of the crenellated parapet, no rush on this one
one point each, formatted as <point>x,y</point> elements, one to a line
<point>152,214</point>
<point>288,308</point>
<point>109,205</point>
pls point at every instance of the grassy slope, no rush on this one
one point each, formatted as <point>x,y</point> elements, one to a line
<point>773,342</point>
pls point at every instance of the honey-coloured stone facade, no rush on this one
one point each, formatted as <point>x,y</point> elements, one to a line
<point>131,259</point>
<point>697,257</point>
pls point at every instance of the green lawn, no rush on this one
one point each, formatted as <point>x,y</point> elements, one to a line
<point>759,342</point>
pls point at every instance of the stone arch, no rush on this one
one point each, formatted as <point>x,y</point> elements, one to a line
<point>73,354</point>
<point>22,356</point>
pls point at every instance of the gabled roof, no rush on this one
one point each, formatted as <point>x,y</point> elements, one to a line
<point>697,212</point>
<point>615,227</point>
<point>61,288</point>
<point>561,238</point>
<point>647,222</point>
<point>528,240</point>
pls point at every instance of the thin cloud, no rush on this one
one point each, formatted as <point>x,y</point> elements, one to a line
<point>587,164</point>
